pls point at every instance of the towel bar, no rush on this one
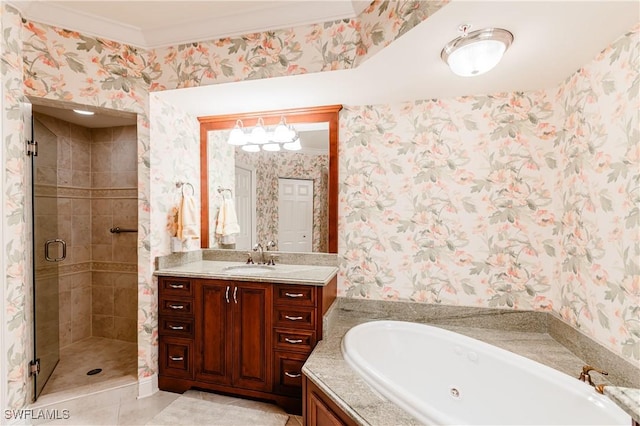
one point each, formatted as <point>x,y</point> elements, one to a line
<point>221,190</point>
<point>183,184</point>
<point>118,230</point>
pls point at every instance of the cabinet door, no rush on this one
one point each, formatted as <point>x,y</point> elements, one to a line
<point>213,331</point>
<point>252,335</point>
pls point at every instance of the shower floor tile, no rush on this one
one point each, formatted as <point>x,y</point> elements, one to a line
<point>116,358</point>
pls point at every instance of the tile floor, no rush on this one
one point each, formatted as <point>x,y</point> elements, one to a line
<point>110,397</point>
<point>117,359</point>
<point>140,411</point>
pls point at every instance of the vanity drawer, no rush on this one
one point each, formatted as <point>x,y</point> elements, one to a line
<point>179,327</point>
<point>175,287</point>
<point>176,306</point>
<point>295,340</point>
<point>295,295</point>
<point>176,358</point>
<point>290,317</point>
<point>288,373</point>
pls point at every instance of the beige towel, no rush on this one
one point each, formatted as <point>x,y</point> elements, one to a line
<point>227,225</point>
<point>188,219</point>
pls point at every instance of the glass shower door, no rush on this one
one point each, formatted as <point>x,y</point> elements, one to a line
<point>48,251</point>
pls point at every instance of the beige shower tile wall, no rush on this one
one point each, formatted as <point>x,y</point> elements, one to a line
<point>114,157</point>
<point>115,305</point>
<point>92,169</point>
<point>114,280</point>
<point>64,160</point>
<point>75,307</point>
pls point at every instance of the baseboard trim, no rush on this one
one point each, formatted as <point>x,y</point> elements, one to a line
<point>147,386</point>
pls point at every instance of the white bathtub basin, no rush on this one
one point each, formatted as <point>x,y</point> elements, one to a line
<point>441,377</point>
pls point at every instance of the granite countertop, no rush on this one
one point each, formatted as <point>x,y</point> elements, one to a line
<point>280,273</point>
<point>523,333</point>
<point>628,399</point>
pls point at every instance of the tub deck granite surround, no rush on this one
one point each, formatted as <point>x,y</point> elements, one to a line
<point>534,335</point>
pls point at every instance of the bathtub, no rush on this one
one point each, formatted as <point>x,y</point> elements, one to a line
<point>441,377</point>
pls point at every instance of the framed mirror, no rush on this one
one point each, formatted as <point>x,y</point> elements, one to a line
<point>286,196</point>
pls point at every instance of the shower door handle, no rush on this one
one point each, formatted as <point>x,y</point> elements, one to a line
<point>48,244</point>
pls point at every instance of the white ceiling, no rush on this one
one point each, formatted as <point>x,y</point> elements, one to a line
<point>553,39</point>
<point>150,24</point>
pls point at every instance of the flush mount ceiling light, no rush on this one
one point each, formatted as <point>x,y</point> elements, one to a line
<point>476,52</point>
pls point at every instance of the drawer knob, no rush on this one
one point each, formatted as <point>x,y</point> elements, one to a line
<point>176,306</point>
<point>292,375</point>
<point>294,341</point>
<point>290,318</point>
<point>176,327</point>
<point>294,295</point>
<point>176,285</point>
<point>176,358</point>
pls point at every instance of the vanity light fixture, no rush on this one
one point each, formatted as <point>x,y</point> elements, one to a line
<point>283,133</point>
<point>283,136</point>
<point>293,146</point>
<point>475,53</point>
<point>83,112</point>
<point>258,134</point>
<point>251,147</point>
<point>237,136</point>
<point>271,147</point>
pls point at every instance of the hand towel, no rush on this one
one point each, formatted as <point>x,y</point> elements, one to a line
<point>188,219</point>
<point>227,225</point>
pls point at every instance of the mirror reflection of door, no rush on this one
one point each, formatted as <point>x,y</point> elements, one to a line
<point>245,206</point>
<point>295,215</point>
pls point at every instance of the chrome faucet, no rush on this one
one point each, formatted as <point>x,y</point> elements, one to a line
<point>585,376</point>
<point>271,245</point>
<point>259,247</point>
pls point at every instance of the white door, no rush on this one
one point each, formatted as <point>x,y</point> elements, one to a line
<point>245,207</point>
<point>295,215</point>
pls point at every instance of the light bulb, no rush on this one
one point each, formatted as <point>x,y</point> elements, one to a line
<point>271,147</point>
<point>258,134</point>
<point>251,148</point>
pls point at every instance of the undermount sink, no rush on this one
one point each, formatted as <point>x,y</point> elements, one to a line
<point>248,269</point>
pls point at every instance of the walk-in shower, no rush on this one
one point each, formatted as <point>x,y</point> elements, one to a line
<point>84,184</point>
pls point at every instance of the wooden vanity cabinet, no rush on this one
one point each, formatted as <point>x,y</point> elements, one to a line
<point>176,328</point>
<point>238,337</point>
<point>232,341</point>
<point>320,410</point>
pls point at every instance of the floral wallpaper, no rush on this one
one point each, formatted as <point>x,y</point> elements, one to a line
<point>385,21</point>
<point>599,197</point>
<point>518,200</point>
<point>175,158</point>
<point>269,168</point>
<point>443,201</point>
<point>16,282</point>
<point>304,49</point>
<point>522,200</point>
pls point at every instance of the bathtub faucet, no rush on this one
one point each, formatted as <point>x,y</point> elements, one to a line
<point>585,376</point>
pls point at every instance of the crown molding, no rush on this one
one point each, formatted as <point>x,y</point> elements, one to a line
<point>264,17</point>
<point>56,15</point>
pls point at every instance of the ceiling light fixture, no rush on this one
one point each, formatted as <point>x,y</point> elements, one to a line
<point>475,53</point>
<point>83,112</point>
<point>260,139</point>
